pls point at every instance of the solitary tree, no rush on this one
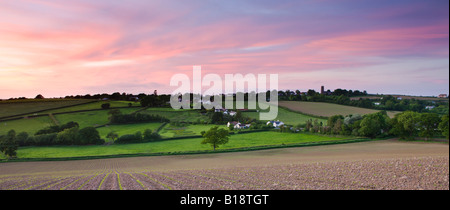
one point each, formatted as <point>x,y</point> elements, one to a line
<point>215,137</point>
<point>39,96</point>
<point>8,144</point>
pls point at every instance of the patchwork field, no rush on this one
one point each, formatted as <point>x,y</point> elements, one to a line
<point>327,109</point>
<point>288,117</point>
<point>30,125</point>
<point>170,130</point>
<point>90,118</point>
<point>17,107</point>
<point>178,115</point>
<point>171,146</point>
<point>378,165</point>
<point>127,128</point>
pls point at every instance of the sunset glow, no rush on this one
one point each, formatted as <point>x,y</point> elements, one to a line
<point>63,47</point>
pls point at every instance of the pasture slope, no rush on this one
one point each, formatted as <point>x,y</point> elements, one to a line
<point>387,164</point>
<point>322,109</point>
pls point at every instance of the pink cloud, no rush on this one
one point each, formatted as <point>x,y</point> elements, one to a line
<point>397,41</point>
<point>75,46</point>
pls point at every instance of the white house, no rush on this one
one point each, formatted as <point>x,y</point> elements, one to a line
<point>234,123</point>
<point>275,124</point>
<point>231,113</point>
<point>238,125</point>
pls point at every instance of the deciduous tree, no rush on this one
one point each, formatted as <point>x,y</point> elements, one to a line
<point>428,124</point>
<point>444,126</point>
<point>215,137</point>
<point>8,144</point>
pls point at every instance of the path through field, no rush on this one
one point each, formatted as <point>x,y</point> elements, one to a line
<point>387,164</point>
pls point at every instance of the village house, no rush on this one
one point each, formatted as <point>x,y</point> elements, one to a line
<point>275,124</point>
<point>429,107</point>
<point>225,111</point>
<point>238,125</point>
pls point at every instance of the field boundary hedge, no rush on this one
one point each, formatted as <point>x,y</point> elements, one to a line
<point>242,149</point>
<point>23,115</point>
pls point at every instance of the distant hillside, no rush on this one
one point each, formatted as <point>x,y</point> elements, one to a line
<point>425,98</point>
<point>327,109</point>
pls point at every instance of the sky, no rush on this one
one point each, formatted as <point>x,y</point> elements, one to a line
<point>67,47</point>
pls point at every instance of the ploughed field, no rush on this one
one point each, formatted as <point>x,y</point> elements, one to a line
<point>368,165</point>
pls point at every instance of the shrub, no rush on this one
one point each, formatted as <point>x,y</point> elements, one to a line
<point>22,138</point>
<point>136,118</point>
<point>147,133</point>
<point>90,135</point>
<point>127,138</point>
<point>48,130</point>
<point>43,139</point>
<point>138,136</point>
<point>56,129</point>
<point>68,136</point>
<point>106,105</point>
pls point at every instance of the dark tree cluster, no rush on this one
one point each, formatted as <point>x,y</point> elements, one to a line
<point>67,134</point>
<point>406,125</point>
<point>138,137</point>
<point>116,117</point>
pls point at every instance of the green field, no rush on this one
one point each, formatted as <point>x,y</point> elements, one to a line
<point>180,115</point>
<point>127,129</point>
<point>288,117</point>
<point>90,118</point>
<point>182,145</point>
<point>99,118</point>
<point>170,131</point>
<point>95,105</point>
<point>29,125</point>
<point>327,109</point>
<point>17,107</point>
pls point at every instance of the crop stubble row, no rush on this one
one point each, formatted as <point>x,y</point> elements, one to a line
<point>407,173</point>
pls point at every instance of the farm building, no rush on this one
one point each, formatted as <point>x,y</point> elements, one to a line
<point>225,111</point>
<point>275,124</point>
<point>429,107</point>
<point>238,125</point>
<point>442,96</point>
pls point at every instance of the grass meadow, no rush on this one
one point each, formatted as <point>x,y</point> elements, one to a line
<point>182,145</point>
<point>327,109</point>
<point>90,118</point>
<point>127,129</point>
<point>177,115</point>
<point>17,107</point>
<point>170,130</point>
<point>288,117</point>
<point>99,118</point>
<point>29,125</point>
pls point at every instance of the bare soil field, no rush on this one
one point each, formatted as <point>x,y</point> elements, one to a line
<point>386,164</point>
<point>327,109</point>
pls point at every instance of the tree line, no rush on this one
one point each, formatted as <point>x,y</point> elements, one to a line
<point>406,125</point>
<point>343,97</point>
<point>67,134</point>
